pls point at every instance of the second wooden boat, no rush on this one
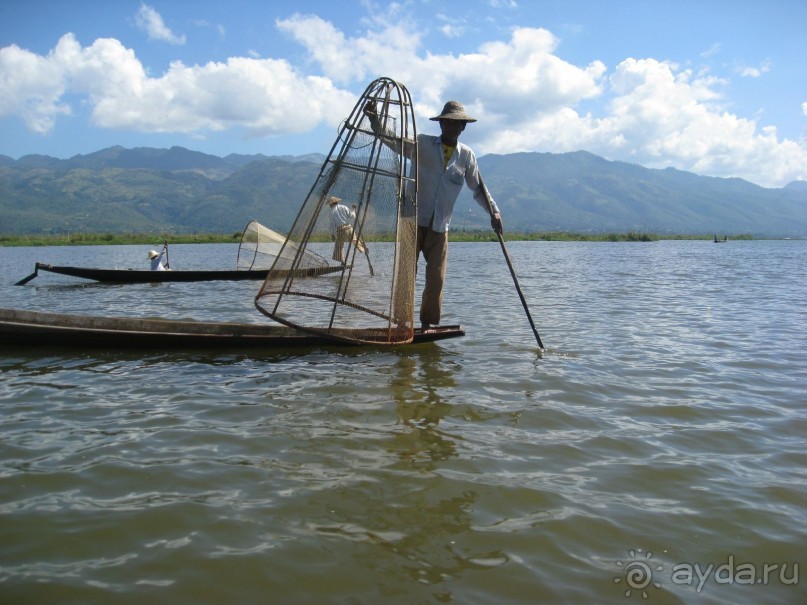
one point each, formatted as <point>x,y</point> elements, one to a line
<point>137,276</point>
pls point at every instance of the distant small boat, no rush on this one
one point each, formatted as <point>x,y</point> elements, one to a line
<point>139,276</point>
<point>257,252</point>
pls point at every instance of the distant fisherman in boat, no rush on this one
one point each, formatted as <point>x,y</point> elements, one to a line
<point>157,259</point>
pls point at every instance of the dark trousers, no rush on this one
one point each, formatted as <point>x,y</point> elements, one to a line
<point>434,247</point>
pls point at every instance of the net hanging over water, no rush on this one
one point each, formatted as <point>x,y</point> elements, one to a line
<point>360,215</point>
<point>260,246</point>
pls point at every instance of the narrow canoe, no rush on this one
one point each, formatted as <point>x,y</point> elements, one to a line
<point>24,328</point>
<point>137,276</point>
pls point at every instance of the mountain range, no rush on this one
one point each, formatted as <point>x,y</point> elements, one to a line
<point>183,191</point>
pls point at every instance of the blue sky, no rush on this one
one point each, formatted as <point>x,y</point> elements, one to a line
<point>714,87</point>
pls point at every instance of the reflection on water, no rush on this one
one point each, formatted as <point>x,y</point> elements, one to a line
<point>473,470</point>
<point>419,523</point>
<point>422,376</point>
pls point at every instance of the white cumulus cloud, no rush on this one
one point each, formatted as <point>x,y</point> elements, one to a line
<point>31,87</point>
<point>151,22</point>
<point>526,97</point>
<point>264,96</point>
<point>659,116</point>
<point>751,71</point>
<point>501,79</point>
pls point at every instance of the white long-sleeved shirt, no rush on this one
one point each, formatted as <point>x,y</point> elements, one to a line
<point>341,215</point>
<point>438,189</point>
<point>157,262</point>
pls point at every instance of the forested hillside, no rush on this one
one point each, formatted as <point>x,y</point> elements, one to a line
<point>183,191</point>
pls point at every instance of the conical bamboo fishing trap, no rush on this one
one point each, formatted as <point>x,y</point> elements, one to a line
<point>371,171</point>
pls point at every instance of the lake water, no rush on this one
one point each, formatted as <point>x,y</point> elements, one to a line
<point>655,453</point>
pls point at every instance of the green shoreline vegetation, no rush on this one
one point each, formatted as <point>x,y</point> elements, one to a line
<point>153,239</point>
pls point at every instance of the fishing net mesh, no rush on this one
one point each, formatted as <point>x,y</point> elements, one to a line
<point>260,246</point>
<point>369,297</point>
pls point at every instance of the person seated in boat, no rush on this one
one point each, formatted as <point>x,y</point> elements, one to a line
<point>156,258</point>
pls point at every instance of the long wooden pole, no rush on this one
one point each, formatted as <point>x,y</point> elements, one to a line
<point>510,266</point>
<point>25,280</point>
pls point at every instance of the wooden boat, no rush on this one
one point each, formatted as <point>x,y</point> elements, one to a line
<point>137,276</point>
<point>24,328</point>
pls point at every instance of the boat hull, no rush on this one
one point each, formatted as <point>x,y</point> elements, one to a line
<point>34,328</point>
<point>136,276</point>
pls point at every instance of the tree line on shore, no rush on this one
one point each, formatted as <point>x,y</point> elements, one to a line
<point>110,239</point>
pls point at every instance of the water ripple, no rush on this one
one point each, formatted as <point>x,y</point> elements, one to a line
<point>666,419</point>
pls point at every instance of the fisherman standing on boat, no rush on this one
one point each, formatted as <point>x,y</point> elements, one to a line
<point>342,219</point>
<point>443,164</point>
<point>157,258</point>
